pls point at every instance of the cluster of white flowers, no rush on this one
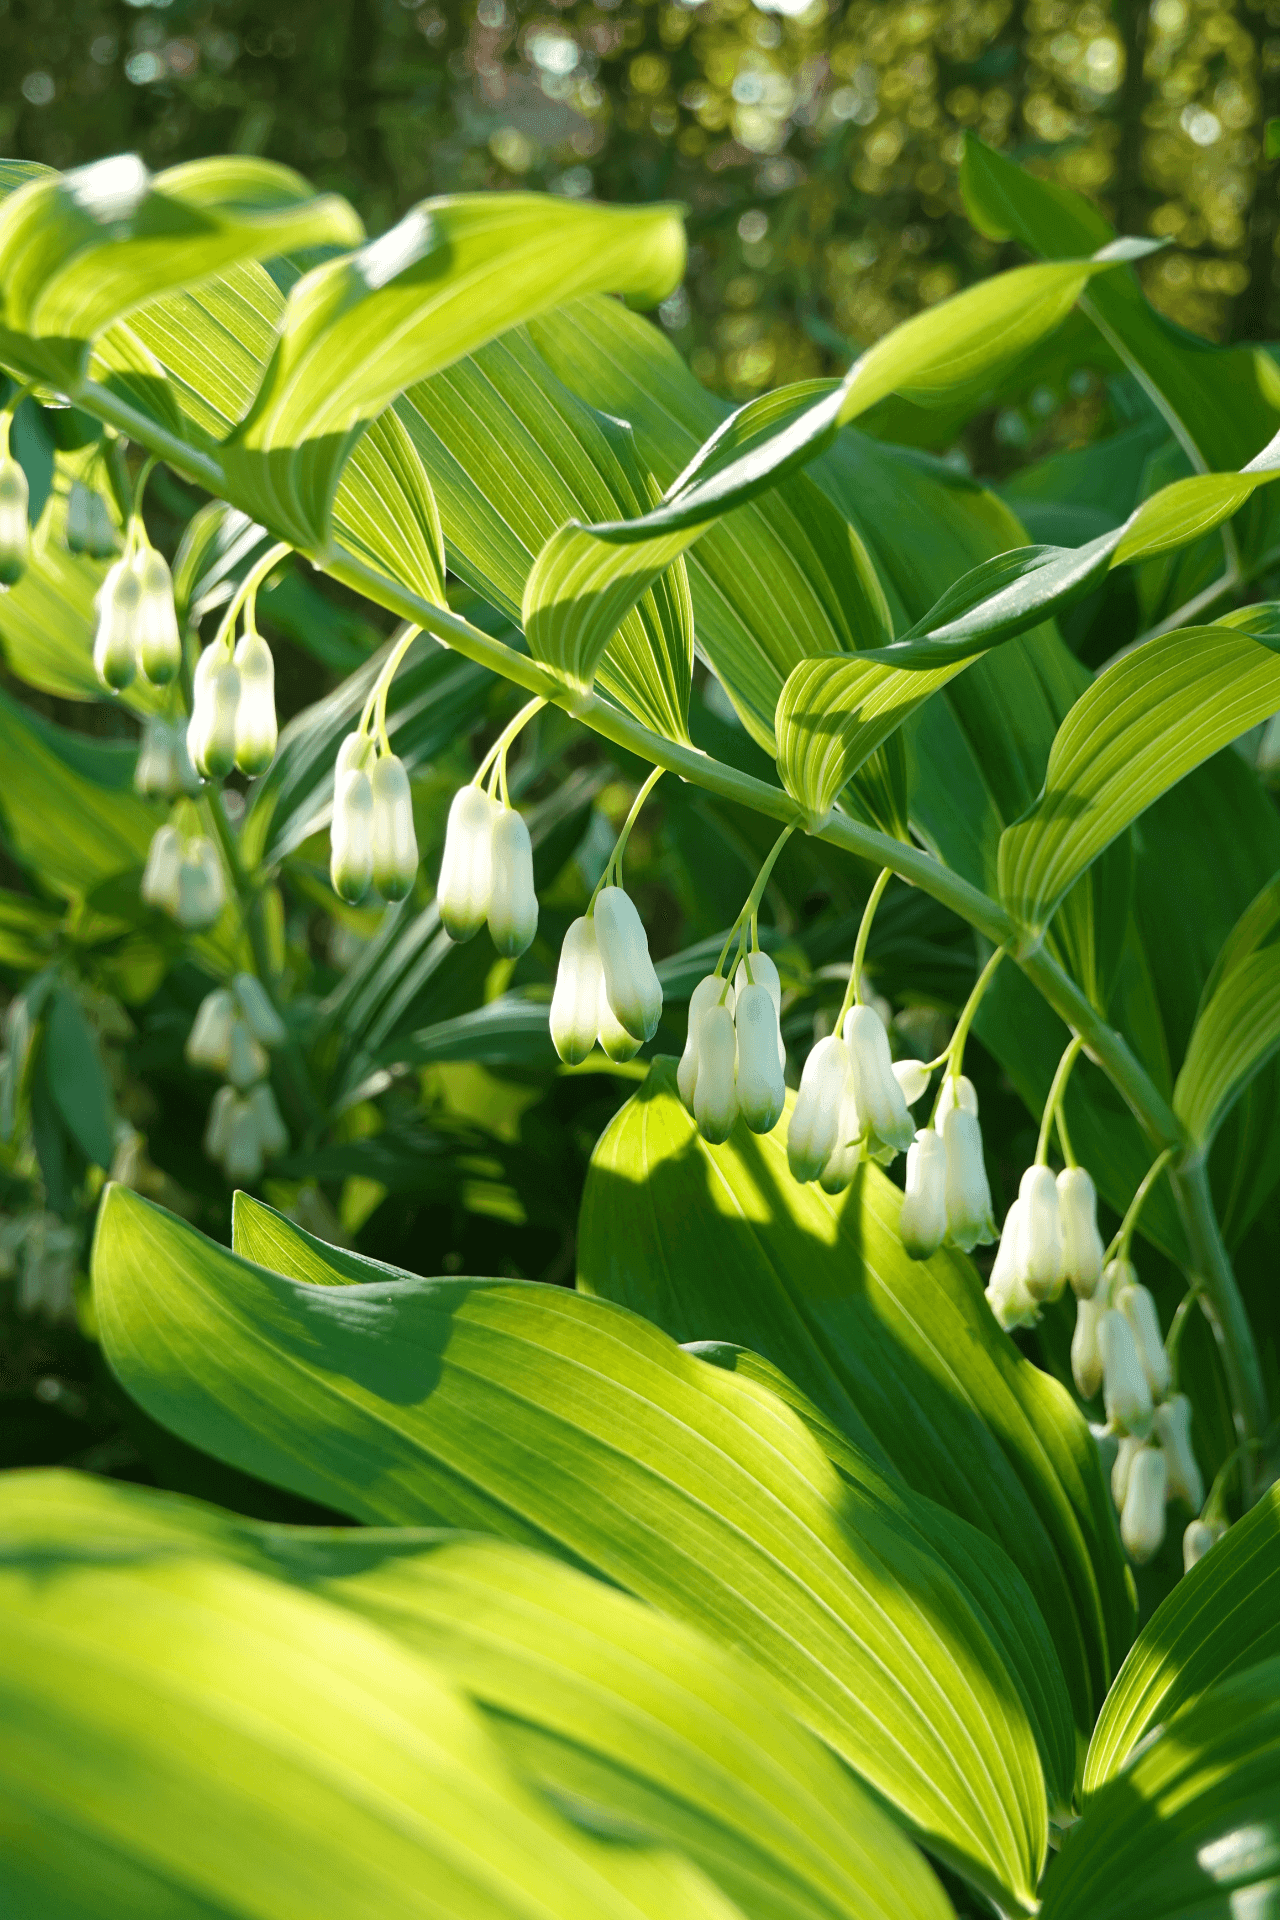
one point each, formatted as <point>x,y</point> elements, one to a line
<point>486,873</point>
<point>233,707</point>
<point>372,839</point>
<point>183,877</point>
<point>163,769</point>
<point>734,1057</point>
<point>15,536</point>
<point>948,1197</point>
<point>1050,1240</point>
<point>232,1031</point>
<point>137,624</point>
<point>606,987</point>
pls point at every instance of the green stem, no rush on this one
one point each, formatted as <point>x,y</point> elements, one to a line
<point>248,589</point>
<point>853,992</point>
<point>1119,1248</point>
<point>1068,1153</point>
<point>1056,1091</point>
<point>751,905</point>
<point>1108,1048</point>
<point>615,859</point>
<point>385,678</point>
<point>504,740</point>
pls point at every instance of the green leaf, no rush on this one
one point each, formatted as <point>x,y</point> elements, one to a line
<point>632,1722</point>
<point>1237,1028</point>
<point>1142,725</point>
<point>68,811</point>
<point>569,1424</point>
<point>192,1738</point>
<point>78,1080</point>
<point>1192,1824</point>
<point>452,274</point>
<point>81,249</point>
<point>903,1357</point>
<point>1221,1618</point>
<point>833,714</point>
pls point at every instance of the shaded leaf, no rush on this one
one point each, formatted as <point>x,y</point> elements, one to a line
<point>78,1080</point>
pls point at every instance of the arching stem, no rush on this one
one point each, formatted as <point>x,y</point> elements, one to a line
<point>1071,1054</point>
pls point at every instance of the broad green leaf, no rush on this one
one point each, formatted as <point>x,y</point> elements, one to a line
<point>68,810</point>
<point>720,1243</point>
<point>1142,725</point>
<point>28,935</point>
<point>1220,1618</point>
<point>452,274</point>
<point>571,1425</point>
<point>833,714</point>
<point>81,249</point>
<point>188,1737</point>
<point>77,1078</point>
<point>510,1031</point>
<point>1192,1824</point>
<point>1238,1025</point>
<point>630,1720</point>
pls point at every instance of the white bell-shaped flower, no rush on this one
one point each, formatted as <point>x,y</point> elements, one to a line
<point>351,835</point>
<point>762,1091</point>
<point>513,903</point>
<point>1086,1354</point>
<point>256,728</point>
<point>956,1091</point>
<point>215,696</point>
<point>255,1006</point>
<point>1172,1425</point>
<point>76,531</point>
<point>465,887</point>
<point>223,1105</point>
<point>913,1076</point>
<point>163,768</point>
<point>881,1107</point>
<point>1081,1242</point>
<point>634,990</point>
<point>160,876</point>
<point>1142,1517</point>
<point>1008,1299</point>
<point>15,533</point>
<point>765,974</point>
<point>846,1156</point>
<point>209,1041</point>
<point>159,644</point>
<point>616,1042</point>
<point>708,993</point>
<point>1139,1309</point>
<point>575,1017</point>
<point>1197,1540</point>
<point>115,657</point>
<point>395,843</point>
<point>969,1216</point>
<point>922,1225</point>
<point>1126,1394</point>
<point>715,1096</point>
<point>246,1057</point>
<point>1122,1466</point>
<point>202,891</point>
<point>242,1153</point>
<point>273,1136</point>
<point>1037,1251</point>
<point>813,1129</point>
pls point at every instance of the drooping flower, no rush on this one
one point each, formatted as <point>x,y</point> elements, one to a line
<point>762,1091</point>
<point>846,1156</point>
<point>256,730</point>
<point>395,843</point>
<point>202,891</point>
<point>957,1090</point>
<point>616,1042</point>
<point>1127,1451</point>
<point>1172,1424</point>
<point>969,1216</point>
<point>465,887</point>
<point>1037,1251</point>
<point>1197,1540</point>
<point>1081,1242</point>
<point>715,1097</point>
<point>1126,1393</point>
<point>351,830</point>
<point>1139,1309</point>
<point>922,1225</point>
<point>631,984</point>
<point>161,874</point>
<point>709,992</point>
<point>765,974</point>
<point>913,1077</point>
<point>881,1107</point>
<point>1142,1518</point>
<point>159,644</point>
<point>1086,1354</point>
<point>209,1041</point>
<point>88,527</point>
<point>273,1136</point>
<point>575,1018</point>
<point>1008,1299</point>
<point>163,768</point>
<point>115,656</point>
<point>513,902</point>
<point>215,696</point>
<point>813,1129</point>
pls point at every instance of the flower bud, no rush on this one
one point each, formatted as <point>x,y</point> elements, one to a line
<point>246,1057</point>
<point>634,991</point>
<point>1081,1241</point>
<point>217,1126</point>
<point>242,1152</point>
<point>715,1097</point>
<point>812,1132</point>
<point>351,836</point>
<point>163,769</point>
<point>1008,1299</point>
<point>202,891</point>
<point>707,993</point>
<point>160,876</point>
<point>215,695</point>
<point>114,645</point>
<point>256,731</point>
<point>575,1019</point>
<point>1126,1395</point>
<point>263,1021</point>
<point>1086,1354</point>
<point>1172,1423</point>
<point>1122,1466</point>
<point>1142,1520</point>
<point>617,1043</point>
<point>922,1224</point>
<point>465,885</point>
<point>765,974</point>
<point>969,1219</point>
<point>1139,1309</point>
<point>1197,1540</point>
<point>956,1091</point>
<point>846,1155</point>
<point>15,533</point>
<point>881,1107</point>
<point>159,644</point>
<point>209,1041</point>
<point>395,844</point>
<point>513,903</point>
<point>913,1076</point>
<point>272,1134</point>
<point>762,1091</point>
<point>1038,1249</point>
